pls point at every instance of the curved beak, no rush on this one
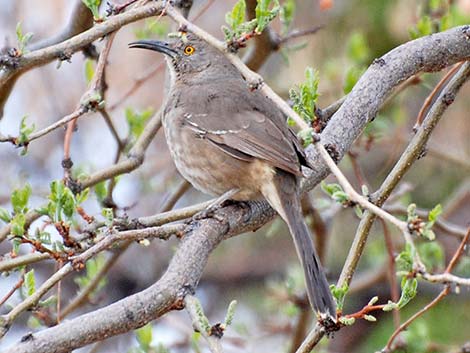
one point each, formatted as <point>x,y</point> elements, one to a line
<point>156,45</point>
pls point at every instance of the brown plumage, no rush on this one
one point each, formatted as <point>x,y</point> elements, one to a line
<point>224,137</point>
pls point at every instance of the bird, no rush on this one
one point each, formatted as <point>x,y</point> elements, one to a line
<point>234,143</point>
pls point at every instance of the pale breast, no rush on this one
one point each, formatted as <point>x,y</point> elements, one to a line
<point>205,166</point>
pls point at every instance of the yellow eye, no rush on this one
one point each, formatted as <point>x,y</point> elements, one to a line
<point>189,50</point>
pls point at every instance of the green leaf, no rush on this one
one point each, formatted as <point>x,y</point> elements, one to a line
<point>195,338</point>
<point>306,136</point>
<point>93,266</point>
<point>43,236</point>
<point>34,323</point>
<point>62,203</point>
<point>365,190</point>
<point>408,291</point>
<point>411,212</point>
<point>330,189</point>
<point>93,6</point>
<point>352,76</point>
<point>357,49</point>
<point>18,224</point>
<point>5,215</point>
<point>265,14</point>
<point>236,20</point>
<point>422,28</point>
<point>340,197</point>
<point>339,293</point>
<point>108,214</point>
<point>404,260</point>
<point>68,203</point>
<point>25,132</point>
<point>23,39</point>
<point>390,306</point>
<point>286,14</point>
<point>373,300</point>
<point>428,233</point>
<point>100,191</point>
<point>230,313</point>
<point>82,196</point>
<point>236,17</point>
<point>136,123</point>
<point>144,336</point>
<point>153,28</point>
<point>89,70</point>
<point>358,211</point>
<point>20,198</point>
<point>347,321</point>
<point>30,283</point>
<point>304,96</point>
<point>52,300</point>
<point>434,213</point>
<point>16,242</point>
<point>370,318</point>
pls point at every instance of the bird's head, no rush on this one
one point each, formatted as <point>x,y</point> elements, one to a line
<point>185,54</point>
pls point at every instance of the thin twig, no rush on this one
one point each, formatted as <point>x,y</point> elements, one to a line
<point>66,119</point>
<point>14,289</point>
<point>394,293</point>
<point>441,224</point>
<point>193,307</point>
<point>299,33</point>
<point>163,232</point>
<point>326,113</point>
<point>84,293</point>
<point>436,300</point>
<point>428,101</point>
<point>359,199</point>
<point>138,82</point>
<point>405,162</point>
<point>22,260</point>
<point>458,253</point>
<point>96,89</point>
<point>202,10</point>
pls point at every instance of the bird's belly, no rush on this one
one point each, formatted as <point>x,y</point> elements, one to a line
<point>207,167</point>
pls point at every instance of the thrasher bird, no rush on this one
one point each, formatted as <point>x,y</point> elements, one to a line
<point>228,140</point>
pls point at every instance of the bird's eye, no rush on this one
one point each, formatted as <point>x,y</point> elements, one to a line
<point>189,50</point>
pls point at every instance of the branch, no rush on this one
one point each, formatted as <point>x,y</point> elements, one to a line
<point>194,309</point>
<point>263,45</point>
<point>428,53</point>
<point>80,19</point>
<point>447,227</point>
<point>405,162</point>
<point>78,262</point>
<point>15,66</point>
<point>184,272</point>
<point>436,300</point>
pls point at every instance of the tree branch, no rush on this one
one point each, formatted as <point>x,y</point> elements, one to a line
<point>428,53</point>
<point>80,20</point>
<point>14,66</point>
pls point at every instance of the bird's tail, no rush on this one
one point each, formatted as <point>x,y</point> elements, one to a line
<point>282,195</point>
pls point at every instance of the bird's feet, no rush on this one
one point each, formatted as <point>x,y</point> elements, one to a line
<point>220,202</point>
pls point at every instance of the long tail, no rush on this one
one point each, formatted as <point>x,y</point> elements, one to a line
<point>282,195</point>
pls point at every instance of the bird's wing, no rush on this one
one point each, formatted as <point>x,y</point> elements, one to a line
<point>248,134</point>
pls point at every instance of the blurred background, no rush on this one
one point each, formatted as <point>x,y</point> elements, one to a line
<point>259,270</point>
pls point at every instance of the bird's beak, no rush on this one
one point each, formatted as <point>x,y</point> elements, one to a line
<point>162,47</point>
